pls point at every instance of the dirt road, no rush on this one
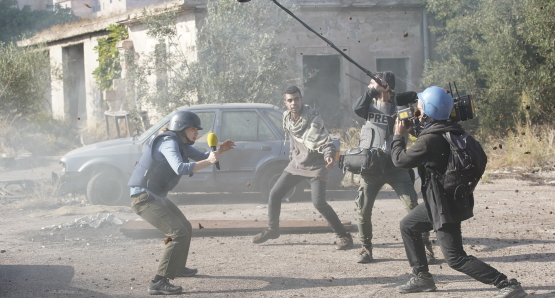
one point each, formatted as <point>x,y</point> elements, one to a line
<point>513,230</point>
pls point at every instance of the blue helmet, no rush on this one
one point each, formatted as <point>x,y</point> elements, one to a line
<point>437,103</point>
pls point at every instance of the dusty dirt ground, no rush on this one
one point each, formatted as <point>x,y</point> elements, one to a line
<point>513,230</point>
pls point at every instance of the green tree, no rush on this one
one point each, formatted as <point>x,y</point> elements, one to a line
<point>15,22</point>
<point>499,50</point>
<point>238,58</point>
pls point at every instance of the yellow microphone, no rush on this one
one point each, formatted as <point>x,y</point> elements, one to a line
<point>212,140</point>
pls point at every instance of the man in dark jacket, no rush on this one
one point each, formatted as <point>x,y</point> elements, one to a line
<point>311,156</point>
<point>376,106</point>
<point>439,212</point>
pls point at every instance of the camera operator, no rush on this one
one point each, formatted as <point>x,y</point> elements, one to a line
<point>439,212</point>
<point>376,106</point>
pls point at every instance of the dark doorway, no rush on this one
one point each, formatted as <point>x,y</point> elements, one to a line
<point>399,67</point>
<point>74,84</point>
<point>321,87</point>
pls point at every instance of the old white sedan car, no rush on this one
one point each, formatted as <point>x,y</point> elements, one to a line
<point>102,170</point>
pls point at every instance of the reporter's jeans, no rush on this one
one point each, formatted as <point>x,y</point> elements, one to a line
<point>370,185</point>
<point>450,240</point>
<point>171,221</point>
<point>318,193</point>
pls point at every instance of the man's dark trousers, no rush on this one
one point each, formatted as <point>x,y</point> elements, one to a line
<point>318,191</point>
<point>450,240</point>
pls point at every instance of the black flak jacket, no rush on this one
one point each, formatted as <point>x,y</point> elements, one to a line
<point>430,154</point>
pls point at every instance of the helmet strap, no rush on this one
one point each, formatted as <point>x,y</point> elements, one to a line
<point>184,137</point>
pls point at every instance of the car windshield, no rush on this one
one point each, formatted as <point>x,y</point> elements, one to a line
<point>156,127</point>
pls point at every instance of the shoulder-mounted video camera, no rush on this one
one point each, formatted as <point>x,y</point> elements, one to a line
<point>407,109</point>
<point>406,102</point>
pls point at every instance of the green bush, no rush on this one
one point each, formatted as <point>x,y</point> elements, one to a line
<point>24,80</point>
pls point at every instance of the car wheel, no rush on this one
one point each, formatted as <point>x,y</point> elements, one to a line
<point>107,188</point>
<point>270,177</point>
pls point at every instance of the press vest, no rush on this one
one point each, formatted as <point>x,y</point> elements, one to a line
<point>377,131</point>
<point>157,177</point>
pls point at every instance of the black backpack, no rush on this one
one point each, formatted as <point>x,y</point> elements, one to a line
<point>466,165</point>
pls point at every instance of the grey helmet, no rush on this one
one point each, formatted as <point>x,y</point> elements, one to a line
<point>183,119</point>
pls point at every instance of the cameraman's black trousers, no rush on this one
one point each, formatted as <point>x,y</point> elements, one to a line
<point>450,240</point>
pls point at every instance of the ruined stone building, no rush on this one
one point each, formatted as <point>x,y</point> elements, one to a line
<point>379,35</point>
<point>89,8</point>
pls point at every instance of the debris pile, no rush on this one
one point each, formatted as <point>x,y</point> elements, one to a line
<point>100,220</point>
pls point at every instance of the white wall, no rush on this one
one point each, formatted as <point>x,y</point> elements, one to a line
<point>187,32</point>
<point>57,92</point>
<point>93,94</point>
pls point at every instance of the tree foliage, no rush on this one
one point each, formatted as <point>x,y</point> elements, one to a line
<point>15,22</point>
<point>237,49</point>
<point>25,111</point>
<point>24,79</point>
<point>235,59</point>
<point>502,51</point>
<point>109,66</point>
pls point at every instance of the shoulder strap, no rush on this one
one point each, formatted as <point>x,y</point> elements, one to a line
<point>447,136</point>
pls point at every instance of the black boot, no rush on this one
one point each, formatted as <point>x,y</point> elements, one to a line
<point>163,287</point>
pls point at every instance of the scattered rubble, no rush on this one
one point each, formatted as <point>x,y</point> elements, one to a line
<point>101,219</point>
<point>16,189</point>
<point>537,175</point>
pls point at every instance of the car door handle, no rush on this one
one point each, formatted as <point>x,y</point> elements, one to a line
<point>266,148</point>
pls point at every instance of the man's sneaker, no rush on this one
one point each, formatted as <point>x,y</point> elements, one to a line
<point>365,255</point>
<point>430,256</point>
<point>423,282</point>
<point>163,287</point>
<point>345,242</point>
<point>187,272</point>
<point>511,289</point>
<point>265,235</point>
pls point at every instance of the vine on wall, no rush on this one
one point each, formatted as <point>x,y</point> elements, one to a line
<point>109,67</point>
